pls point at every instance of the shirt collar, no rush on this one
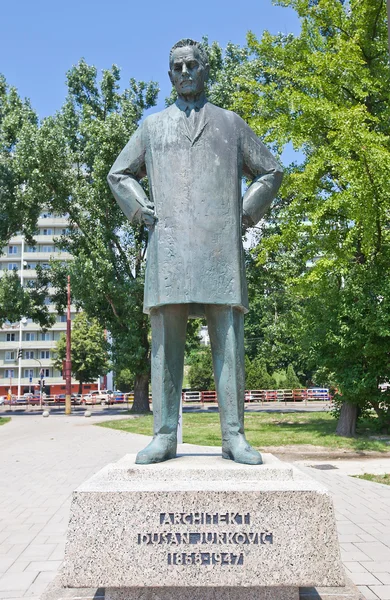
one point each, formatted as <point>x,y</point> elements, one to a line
<point>197,104</point>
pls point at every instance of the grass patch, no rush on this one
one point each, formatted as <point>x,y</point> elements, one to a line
<point>262,430</point>
<point>4,420</point>
<point>376,478</point>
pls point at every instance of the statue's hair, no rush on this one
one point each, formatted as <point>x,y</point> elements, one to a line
<point>188,42</point>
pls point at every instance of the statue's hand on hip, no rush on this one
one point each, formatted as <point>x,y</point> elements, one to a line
<point>148,216</point>
<point>246,222</point>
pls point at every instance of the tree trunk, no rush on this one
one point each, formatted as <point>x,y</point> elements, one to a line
<point>383,416</point>
<point>141,394</point>
<point>80,387</point>
<point>346,425</point>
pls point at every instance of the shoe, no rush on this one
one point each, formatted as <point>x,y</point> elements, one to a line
<point>238,449</point>
<point>162,447</point>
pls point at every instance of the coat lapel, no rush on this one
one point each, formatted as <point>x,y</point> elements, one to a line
<point>193,134</point>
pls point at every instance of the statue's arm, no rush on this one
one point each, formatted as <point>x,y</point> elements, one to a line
<point>267,175</point>
<point>124,177</point>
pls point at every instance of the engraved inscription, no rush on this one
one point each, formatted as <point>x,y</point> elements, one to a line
<point>239,536</point>
<point>210,537</point>
<point>205,558</point>
<point>204,518</point>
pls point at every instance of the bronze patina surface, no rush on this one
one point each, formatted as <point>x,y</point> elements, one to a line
<point>195,155</point>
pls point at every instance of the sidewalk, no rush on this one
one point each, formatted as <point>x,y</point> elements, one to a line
<point>44,460</point>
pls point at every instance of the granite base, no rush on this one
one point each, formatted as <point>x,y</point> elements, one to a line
<point>202,522</point>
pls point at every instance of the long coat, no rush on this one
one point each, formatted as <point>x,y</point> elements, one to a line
<point>195,253</point>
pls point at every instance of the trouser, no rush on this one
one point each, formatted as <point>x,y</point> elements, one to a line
<point>226,331</point>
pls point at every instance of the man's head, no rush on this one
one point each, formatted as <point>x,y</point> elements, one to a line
<point>188,68</point>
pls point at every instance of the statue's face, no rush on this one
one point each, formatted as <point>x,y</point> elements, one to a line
<point>188,74</point>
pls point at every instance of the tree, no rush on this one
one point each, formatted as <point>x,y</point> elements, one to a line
<point>326,92</point>
<point>200,374</point>
<point>89,352</point>
<point>292,381</point>
<point>19,208</point>
<point>78,146</point>
<point>257,376</point>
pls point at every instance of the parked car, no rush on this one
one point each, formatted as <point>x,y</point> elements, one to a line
<point>61,398</point>
<point>97,397</point>
<point>2,400</point>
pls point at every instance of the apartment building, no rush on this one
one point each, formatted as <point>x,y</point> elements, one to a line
<point>35,347</point>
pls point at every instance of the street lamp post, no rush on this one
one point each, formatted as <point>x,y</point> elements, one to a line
<point>22,321</point>
<point>68,362</point>
<point>40,380</point>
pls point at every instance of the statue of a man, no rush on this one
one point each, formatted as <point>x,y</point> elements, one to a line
<point>195,155</point>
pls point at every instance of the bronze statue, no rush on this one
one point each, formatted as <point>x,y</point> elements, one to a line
<point>195,155</point>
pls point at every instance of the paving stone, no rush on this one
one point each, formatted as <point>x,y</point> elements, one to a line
<point>355,567</point>
<point>375,550</point>
<point>45,565</point>
<point>16,581</point>
<point>364,579</point>
<point>383,591</point>
<point>367,593</point>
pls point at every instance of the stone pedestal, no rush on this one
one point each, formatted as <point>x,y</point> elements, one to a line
<point>203,528</point>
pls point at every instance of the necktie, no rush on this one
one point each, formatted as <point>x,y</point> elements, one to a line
<point>192,120</point>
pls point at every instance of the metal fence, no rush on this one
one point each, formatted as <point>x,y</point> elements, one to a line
<point>297,395</point>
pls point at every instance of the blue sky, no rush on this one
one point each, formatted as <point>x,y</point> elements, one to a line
<point>44,38</point>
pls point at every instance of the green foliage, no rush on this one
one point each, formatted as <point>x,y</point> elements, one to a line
<point>19,208</point>
<point>18,165</point>
<point>200,374</point>
<point>17,301</point>
<point>89,350</point>
<point>292,381</point>
<point>79,146</point>
<point>257,376</point>
<point>326,93</point>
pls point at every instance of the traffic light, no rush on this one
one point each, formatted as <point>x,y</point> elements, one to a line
<point>43,383</point>
<point>20,353</point>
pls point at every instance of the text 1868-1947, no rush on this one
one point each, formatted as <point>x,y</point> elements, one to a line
<point>205,558</point>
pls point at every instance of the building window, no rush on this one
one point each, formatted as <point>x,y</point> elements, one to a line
<point>47,232</point>
<point>47,300</point>
<point>31,249</point>
<point>45,353</point>
<point>9,355</point>
<point>12,249</point>
<point>31,265</point>
<point>12,266</point>
<point>29,354</point>
<point>61,318</point>
<point>10,337</point>
<point>9,373</point>
<point>47,372</point>
<point>45,336</point>
<point>30,337</point>
<point>47,249</point>
<point>28,373</point>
